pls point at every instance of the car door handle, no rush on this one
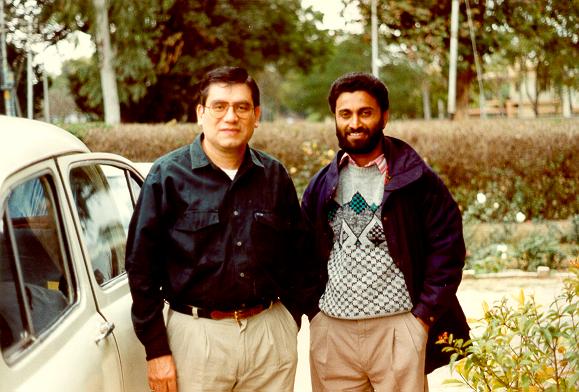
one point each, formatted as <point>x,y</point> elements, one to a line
<point>105,330</point>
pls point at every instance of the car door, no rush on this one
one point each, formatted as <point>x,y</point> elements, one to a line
<point>51,333</point>
<point>103,189</point>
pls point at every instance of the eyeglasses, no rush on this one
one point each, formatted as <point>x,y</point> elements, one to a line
<point>219,109</point>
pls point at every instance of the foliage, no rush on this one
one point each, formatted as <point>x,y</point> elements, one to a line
<point>499,158</point>
<point>522,348</point>
<point>61,102</point>
<point>537,250</point>
<point>164,48</point>
<point>406,81</point>
<point>513,243</point>
<point>421,32</point>
<point>540,34</point>
<point>306,93</point>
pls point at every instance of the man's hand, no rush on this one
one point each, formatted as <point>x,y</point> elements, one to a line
<point>162,374</point>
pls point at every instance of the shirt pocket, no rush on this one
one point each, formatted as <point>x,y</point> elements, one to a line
<point>193,220</point>
<point>270,235</point>
<point>194,235</point>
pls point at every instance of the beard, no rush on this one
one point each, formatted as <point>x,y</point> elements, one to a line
<point>360,146</point>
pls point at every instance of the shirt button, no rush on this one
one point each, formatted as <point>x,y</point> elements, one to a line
<point>242,274</point>
<point>236,213</point>
<point>238,243</point>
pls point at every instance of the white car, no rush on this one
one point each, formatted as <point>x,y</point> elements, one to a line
<point>65,321</point>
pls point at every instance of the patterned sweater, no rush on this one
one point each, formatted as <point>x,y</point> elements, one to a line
<point>363,280</point>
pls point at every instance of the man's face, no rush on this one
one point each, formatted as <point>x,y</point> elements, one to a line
<point>359,123</point>
<point>228,118</point>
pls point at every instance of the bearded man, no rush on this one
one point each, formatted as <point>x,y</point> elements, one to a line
<point>389,254</point>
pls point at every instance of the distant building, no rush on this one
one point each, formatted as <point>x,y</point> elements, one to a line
<point>514,95</point>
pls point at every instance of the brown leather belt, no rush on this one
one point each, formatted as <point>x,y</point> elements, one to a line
<point>237,315</point>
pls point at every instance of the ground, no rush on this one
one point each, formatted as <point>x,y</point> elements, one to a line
<point>471,294</point>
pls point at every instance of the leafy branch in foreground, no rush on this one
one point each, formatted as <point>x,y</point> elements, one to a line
<point>522,348</point>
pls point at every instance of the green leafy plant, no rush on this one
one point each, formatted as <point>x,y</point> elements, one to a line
<point>522,348</point>
<point>538,249</point>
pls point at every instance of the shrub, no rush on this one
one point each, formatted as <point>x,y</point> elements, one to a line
<point>527,166</point>
<point>495,243</point>
<point>522,348</point>
<point>536,250</point>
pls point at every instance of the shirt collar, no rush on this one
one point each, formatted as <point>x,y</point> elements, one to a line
<point>380,161</point>
<point>200,159</point>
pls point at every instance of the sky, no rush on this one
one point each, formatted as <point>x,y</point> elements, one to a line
<point>331,10</point>
<point>80,45</point>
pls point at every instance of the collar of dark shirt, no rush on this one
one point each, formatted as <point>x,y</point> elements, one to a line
<point>200,159</point>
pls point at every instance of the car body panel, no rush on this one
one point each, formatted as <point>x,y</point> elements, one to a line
<point>71,338</point>
<point>114,298</point>
<point>33,141</point>
<point>65,355</point>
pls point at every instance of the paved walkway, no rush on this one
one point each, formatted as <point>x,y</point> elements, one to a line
<point>471,293</point>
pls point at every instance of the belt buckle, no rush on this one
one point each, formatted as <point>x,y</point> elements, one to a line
<point>236,317</point>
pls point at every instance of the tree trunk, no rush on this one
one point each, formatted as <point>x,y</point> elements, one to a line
<point>567,101</point>
<point>426,100</point>
<point>463,82</point>
<point>106,64</point>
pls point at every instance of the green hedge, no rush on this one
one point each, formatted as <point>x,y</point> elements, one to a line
<point>526,166</point>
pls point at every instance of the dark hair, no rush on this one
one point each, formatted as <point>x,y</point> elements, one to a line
<point>228,75</point>
<point>358,81</point>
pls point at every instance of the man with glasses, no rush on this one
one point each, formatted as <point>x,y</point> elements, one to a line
<point>215,234</point>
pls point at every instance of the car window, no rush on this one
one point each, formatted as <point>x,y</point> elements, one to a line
<point>36,285</point>
<point>104,202</point>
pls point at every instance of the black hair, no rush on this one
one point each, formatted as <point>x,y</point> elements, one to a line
<point>359,81</point>
<point>228,75</point>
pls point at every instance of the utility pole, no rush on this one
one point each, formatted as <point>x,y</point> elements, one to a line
<point>6,76</point>
<point>451,105</point>
<point>46,104</point>
<point>29,91</point>
<point>375,38</point>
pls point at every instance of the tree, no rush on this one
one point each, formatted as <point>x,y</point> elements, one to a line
<point>542,38</point>
<point>419,30</point>
<point>18,37</point>
<point>306,93</point>
<point>61,103</point>
<point>164,47</point>
<point>541,33</point>
<point>131,29</point>
<point>106,64</point>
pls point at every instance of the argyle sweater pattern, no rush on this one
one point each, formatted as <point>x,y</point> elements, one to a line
<point>363,280</point>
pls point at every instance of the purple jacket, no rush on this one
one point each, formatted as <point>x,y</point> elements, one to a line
<point>423,229</point>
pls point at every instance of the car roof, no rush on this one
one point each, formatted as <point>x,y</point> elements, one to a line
<point>24,142</point>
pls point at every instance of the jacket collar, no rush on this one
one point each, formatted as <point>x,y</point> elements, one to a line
<point>404,164</point>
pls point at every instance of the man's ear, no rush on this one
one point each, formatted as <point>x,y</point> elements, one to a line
<point>200,110</point>
<point>257,111</point>
<point>385,117</point>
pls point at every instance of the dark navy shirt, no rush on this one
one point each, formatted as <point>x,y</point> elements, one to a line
<point>199,238</point>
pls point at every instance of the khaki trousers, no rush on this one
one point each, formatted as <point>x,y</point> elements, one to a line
<point>222,355</point>
<point>383,354</point>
